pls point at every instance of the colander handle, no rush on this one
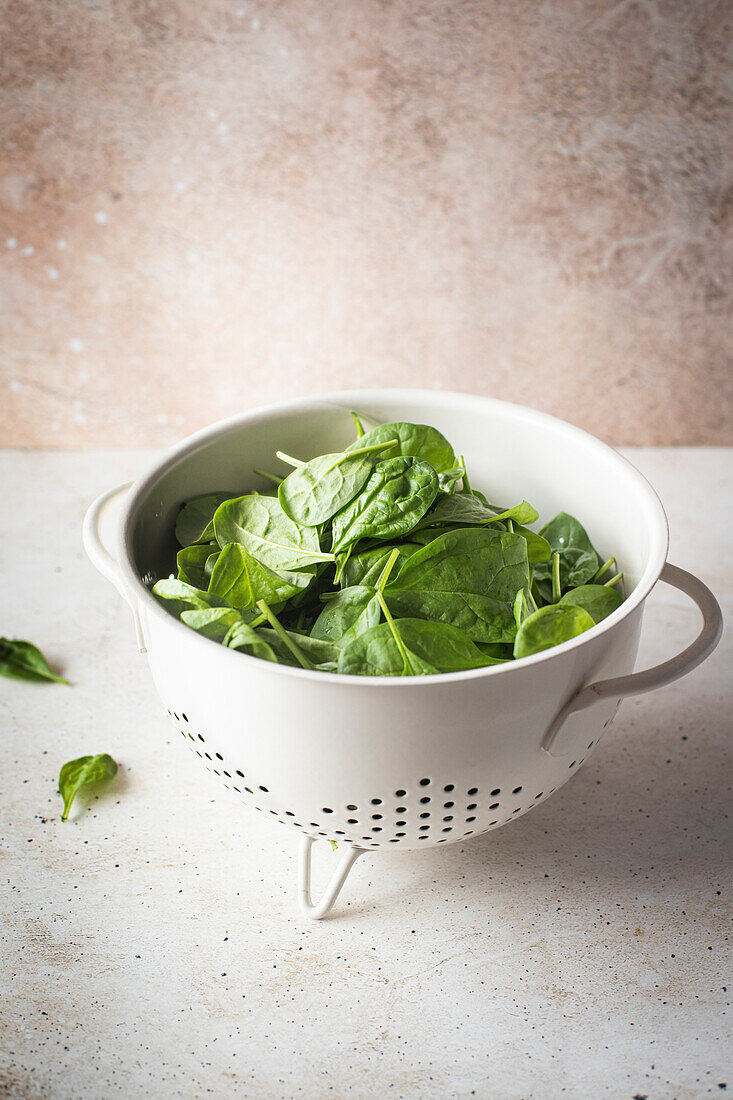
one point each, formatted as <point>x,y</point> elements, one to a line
<point>651,678</point>
<point>104,513</point>
<point>327,902</point>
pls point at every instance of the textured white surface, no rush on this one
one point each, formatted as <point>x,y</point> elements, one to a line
<point>152,946</point>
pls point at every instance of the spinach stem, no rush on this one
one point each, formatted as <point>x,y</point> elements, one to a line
<point>368,450</point>
<point>466,482</point>
<point>556,589</point>
<point>384,575</point>
<point>604,569</point>
<point>408,669</point>
<point>289,459</point>
<point>274,478</point>
<point>510,526</point>
<point>613,580</point>
<point>531,599</point>
<point>284,636</point>
<point>258,621</point>
<point>357,424</point>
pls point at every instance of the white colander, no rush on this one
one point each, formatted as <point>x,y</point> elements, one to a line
<point>409,763</point>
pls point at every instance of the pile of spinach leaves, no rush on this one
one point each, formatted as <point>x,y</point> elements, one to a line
<point>383,560</point>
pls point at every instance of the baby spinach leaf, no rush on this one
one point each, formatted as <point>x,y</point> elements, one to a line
<point>466,509</point>
<point>550,626</point>
<point>240,580</point>
<point>366,567</point>
<point>598,600</point>
<point>538,549</point>
<point>412,441</point>
<point>77,773</point>
<point>177,596</point>
<point>468,578</point>
<point>430,646</point>
<point>321,654</point>
<point>191,561</point>
<point>348,614</point>
<point>194,523</point>
<point>260,525</point>
<point>243,637</point>
<point>212,622</point>
<point>23,661</point>
<point>578,559</point>
<point>315,491</point>
<point>448,479</point>
<point>397,494</point>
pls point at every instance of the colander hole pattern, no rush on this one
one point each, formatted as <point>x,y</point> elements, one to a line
<point>423,810</point>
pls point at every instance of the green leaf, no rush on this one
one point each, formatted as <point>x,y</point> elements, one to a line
<point>468,578</point>
<point>212,622</point>
<point>245,638</point>
<point>448,479</point>
<point>260,525</point>
<point>431,647</point>
<point>538,549</point>
<point>177,596</point>
<point>598,600</point>
<point>578,559</point>
<point>550,626</point>
<point>396,496</point>
<point>192,561</point>
<point>240,580</point>
<point>315,491</point>
<point>322,655</point>
<point>23,661</point>
<point>413,441</point>
<point>467,509</point>
<point>348,614</point>
<point>78,773</point>
<point>366,567</point>
<point>194,523</point>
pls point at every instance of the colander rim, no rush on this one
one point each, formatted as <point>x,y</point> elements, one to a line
<point>657,555</point>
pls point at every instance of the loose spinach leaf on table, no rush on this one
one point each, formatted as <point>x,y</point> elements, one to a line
<point>194,523</point>
<point>316,490</point>
<point>597,599</point>
<point>21,660</point>
<point>549,626</point>
<point>77,773</point>
<point>412,441</point>
<point>261,526</point>
<point>397,494</point>
<point>468,578</point>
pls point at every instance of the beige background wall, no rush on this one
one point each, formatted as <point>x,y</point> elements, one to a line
<point>206,205</point>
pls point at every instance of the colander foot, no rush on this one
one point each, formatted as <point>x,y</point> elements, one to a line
<point>327,902</point>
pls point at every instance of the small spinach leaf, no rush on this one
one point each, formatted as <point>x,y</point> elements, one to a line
<point>315,491</point>
<point>77,773</point>
<point>578,559</point>
<point>240,580</point>
<point>412,441</point>
<point>194,523</point>
<point>23,661</point>
<point>260,525</point>
<point>244,637</point>
<point>550,626</point>
<point>597,599</point>
<point>348,614</point>
<point>397,494</point>
<point>212,622</point>
<point>191,561</point>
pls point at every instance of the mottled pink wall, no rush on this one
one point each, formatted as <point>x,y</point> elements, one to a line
<point>208,205</point>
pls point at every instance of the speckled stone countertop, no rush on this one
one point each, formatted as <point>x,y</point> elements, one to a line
<point>152,945</point>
